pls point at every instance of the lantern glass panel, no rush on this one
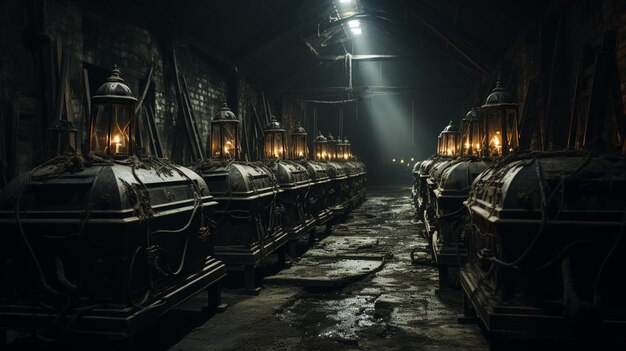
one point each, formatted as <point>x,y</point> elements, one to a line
<point>472,138</point>
<point>326,150</point>
<point>298,146</point>
<point>274,145</point>
<point>333,150</point>
<point>501,131</point>
<point>449,143</point>
<point>224,143</point>
<point>318,147</point>
<point>111,128</point>
<point>493,127</point>
<point>340,150</point>
<point>440,149</point>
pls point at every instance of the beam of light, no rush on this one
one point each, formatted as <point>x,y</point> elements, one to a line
<point>345,1</point>
<point>354,24</point>
<point>356,31</point>
<point>390,115</point>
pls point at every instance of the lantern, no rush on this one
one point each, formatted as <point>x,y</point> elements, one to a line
<point>500,123</point>
<point>449,141</point>
<point>298,143</point>
<point>347,151</point>
<point>274,140</point>
<point>332,147</point>
<point>63,138</point>
<point>111,130</point>
<point>225,134</point>
<point>472,133</point>
<point>320,148</point>
<point>341,147</point>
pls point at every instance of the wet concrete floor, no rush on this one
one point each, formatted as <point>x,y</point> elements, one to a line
<point>394,308</point>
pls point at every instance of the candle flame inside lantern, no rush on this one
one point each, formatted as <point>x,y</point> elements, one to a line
<point>118,145</point>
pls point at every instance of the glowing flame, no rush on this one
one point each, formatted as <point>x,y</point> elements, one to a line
<point>118,145</point>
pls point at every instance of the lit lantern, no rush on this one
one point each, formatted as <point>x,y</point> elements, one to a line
<point>298,143</point>
<point>274,140</point>
<point>332,147</point>
<point>111,131</point>
<point>347,152</point>
<point>63,138</point>
<point>449,141</point>
<point>340,147</point>
<point>500,123</point>
<point>472,133</point>
<point>320,148</point>
<point>225,134</point>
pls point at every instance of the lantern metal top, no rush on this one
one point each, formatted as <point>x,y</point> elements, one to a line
<point>274,126</point>
<point>499,96</point>
<point>320,138</point>
<point>225,114</point>
<point>63,126</point>
<point>473,114</point>
<point>298,130</point>
<point>450,128</point>
<point>330,137</point>
<point>346,141</point>
<point>114,88</point>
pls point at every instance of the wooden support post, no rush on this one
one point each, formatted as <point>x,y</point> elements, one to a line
<point>146,88</point>
<point>192,118</point>
<point>62,85</point>
<point>186,112</point>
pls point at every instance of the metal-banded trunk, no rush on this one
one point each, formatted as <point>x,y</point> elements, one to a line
<point>118,243</point>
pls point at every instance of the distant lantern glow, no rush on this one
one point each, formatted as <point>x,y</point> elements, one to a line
<point>356,31</point>
<point>393,160</point>
<point>401,161</point>
<point>412,159</point>
<point>354,24</point>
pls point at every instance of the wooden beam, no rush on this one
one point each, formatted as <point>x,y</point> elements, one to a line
<point>450,40</point>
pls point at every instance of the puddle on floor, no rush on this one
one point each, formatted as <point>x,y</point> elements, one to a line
<point>333,316</point>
